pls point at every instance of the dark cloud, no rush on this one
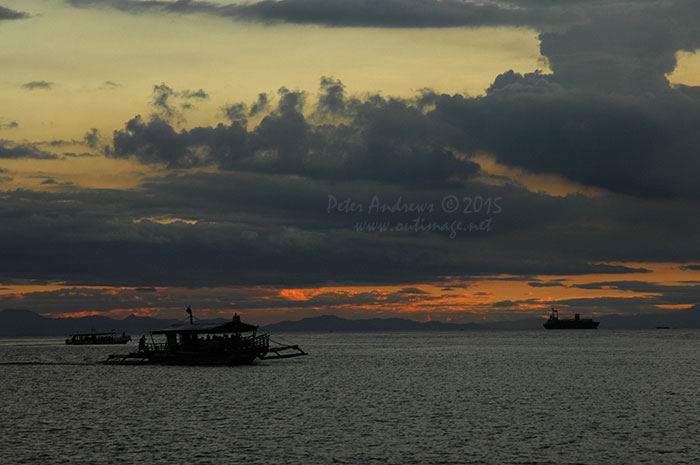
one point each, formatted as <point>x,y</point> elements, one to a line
<point>546,284</point>
<point>11,150</point>
<point>350,147</point>
<point>332,100</point>
<point>10,125</point>
<point>391,13</point>
<point>77,155</point>
<point>615,45</point>
<point>358,13</point>
<point>605,117</point>
<point>92,137</point>
<point>666,294</point>
<point>236,113</point>
<point>256,228</point>
<point>636,145</point>
<point>34,85</point>
<point>170,104</point>
<point>7,14</point>
<point>624,48</point>
<point>261,105</point>
<point>690,267</point>
<point>386,140</point>
<point>412,291</point>
<point>194,94</point>
<point>625,143</point>
<point>58,142</point>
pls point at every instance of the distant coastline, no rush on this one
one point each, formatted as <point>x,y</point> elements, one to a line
<point>18,323</point>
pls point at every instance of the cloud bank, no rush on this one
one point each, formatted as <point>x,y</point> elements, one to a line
<point>246,201</point>
<point>8,14</point>
<point>35,85</point>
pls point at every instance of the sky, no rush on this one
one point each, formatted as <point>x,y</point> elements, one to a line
<point>433,160</point>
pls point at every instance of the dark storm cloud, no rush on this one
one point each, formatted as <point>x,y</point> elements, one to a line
<point>387,140</point>
<point>388,13</point>
<point>606,117</point>
<point>357,13</point>
<point>615,45</point>
<point>625,47</point>
<point>691,267</point>
<point>11,150</point>
<point>34,85</point>
<point>255,229</point>
<point>7,14</point>
<point>641,145</point>
<point>637,145</point>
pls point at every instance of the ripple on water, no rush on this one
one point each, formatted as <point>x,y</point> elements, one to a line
<point>396,398</point>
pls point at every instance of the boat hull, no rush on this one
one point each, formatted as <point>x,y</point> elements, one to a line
<point>202,358</point>
<point>119,340</point>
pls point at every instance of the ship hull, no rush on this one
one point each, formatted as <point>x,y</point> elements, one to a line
<point>119,340</point>
<point>572,324</point>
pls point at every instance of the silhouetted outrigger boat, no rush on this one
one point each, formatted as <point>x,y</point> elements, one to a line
<point>94,338</point>
<point>194,343</point>
<point>554,322</point>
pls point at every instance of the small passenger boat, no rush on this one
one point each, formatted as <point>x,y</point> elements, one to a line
<point>95,338</point>
<point>195,343</point>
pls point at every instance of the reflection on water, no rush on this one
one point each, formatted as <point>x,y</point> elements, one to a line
<point>589,397</point>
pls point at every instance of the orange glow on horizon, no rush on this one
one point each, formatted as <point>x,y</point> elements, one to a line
<point>71,314</point>
<point>485,298</point>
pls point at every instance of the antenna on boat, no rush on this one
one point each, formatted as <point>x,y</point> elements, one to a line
<point>189,310</point>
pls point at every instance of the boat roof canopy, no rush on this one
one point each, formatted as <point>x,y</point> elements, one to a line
<point>234,326</point>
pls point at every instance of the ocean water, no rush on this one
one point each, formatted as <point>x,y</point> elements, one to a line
<point>534,397</point>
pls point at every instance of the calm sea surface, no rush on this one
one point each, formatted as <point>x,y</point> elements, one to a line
<point>545,397</point>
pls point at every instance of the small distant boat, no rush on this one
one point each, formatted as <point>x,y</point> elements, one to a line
<point>663,327</point>
<point>554,322</point>
<point>95,338</point>
<point>195,343</point>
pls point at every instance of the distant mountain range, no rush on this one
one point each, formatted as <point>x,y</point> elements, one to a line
<point>15,323</point>
<point>335,323</point>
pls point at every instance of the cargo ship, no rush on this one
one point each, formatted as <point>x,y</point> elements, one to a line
<point>554,322</point>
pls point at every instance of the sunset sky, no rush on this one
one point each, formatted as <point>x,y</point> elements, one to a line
<point>445,160</point>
